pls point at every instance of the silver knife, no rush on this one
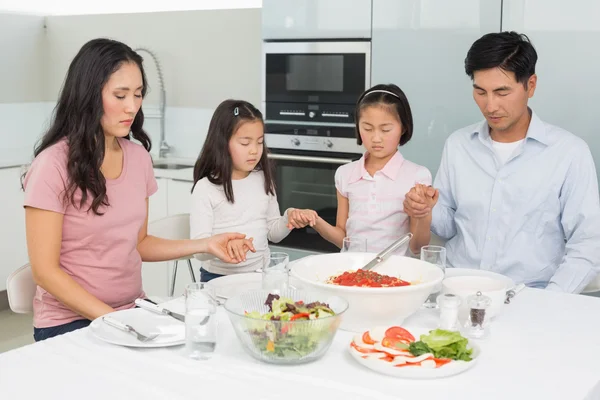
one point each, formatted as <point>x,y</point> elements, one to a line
<point>146,305</point>
<point>385,253</point>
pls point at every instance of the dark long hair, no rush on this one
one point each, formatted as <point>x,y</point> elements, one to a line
<point>77,118</point>
<point>509,51</point>
<point>395,99</point>
<point>214,161</point>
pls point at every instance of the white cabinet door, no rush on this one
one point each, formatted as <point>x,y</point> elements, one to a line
<point>316,19</point>
<point>13,243</point>
<point>157,207</point>
<point>421,46</point>
<point>180,193</point>
<point>179,203</point>
<point>565,35</point>
<point>155,275</point>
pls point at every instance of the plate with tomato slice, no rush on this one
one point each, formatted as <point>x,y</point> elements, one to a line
<point>397,352</point>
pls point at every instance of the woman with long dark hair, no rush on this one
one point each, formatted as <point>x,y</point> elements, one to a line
<point>86,196</point>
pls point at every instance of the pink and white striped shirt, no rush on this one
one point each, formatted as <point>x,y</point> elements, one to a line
<point>376,202</point>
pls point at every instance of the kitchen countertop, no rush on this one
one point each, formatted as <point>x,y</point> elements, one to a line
<point>184,174</point>
<point>11,158</point>
<point>16,158</point>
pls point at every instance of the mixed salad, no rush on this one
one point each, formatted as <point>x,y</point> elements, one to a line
<point>398,347</point>
<point>274,333</point>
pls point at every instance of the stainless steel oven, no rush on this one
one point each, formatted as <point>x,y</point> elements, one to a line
<point>305,159</point>
<point>306,180</point>
<point>309,93</point>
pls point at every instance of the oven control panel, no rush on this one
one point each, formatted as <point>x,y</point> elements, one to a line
<point>313,143</point>
<point>320,113</point>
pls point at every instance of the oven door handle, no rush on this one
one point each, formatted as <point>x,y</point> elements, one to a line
<point>310,159</point>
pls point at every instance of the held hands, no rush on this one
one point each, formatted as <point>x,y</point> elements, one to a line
<point>300,218</point>
<point>230,247</point>
<point>420,200</point>
<point>237,248</point>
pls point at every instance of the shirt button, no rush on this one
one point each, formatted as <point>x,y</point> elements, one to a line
<point>493,210</point>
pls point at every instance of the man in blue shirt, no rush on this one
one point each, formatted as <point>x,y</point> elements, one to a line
<point>515,195</point>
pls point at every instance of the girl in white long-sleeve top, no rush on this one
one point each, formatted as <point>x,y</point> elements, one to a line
<point>234,189</point>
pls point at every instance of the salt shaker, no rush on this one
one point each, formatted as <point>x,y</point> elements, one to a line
<point>477,325</point>
<point>448,304</point>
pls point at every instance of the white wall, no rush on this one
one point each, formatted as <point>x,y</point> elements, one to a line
<point>206,57</point>
<point>23,111</point>
<point>78,7</point>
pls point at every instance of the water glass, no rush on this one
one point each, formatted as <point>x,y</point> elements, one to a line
<point>200,321</point>
<point>435,255</point>
<point>276,273</point>
<point>354,245</point>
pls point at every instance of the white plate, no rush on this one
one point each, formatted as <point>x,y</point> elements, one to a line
<point>171,331</point>
<point>232,285</point>
<point>450,369</point>
<point>450,272</point>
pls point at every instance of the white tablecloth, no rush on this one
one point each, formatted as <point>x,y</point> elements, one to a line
<point>545,345</point>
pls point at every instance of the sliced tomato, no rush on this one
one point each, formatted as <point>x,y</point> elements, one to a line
<point>298,316</point>
<point>441,361</point>
<point>407,365</point>
<point>397,333</point>
<point>363,350</point>
<point>367,338</point>
<point>388,358</point>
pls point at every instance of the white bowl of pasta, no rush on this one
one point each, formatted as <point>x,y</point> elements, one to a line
<point>375,301</point>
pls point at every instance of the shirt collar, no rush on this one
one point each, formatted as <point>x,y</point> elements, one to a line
<point>536,130</point>
<point>390,169</point>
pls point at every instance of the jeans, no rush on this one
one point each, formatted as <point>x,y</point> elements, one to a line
<point>206,276</point>
<point>46,333</point>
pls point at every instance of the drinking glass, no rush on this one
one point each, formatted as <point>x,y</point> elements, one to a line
<point>435,255</point>
<point>200,321</point>
<point>354,245</point>
<point>276,272</point>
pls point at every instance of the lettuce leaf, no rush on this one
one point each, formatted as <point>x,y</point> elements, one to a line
<point>442,344</point>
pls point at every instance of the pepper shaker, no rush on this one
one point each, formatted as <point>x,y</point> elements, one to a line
<point>477,325</point>
<point>448,304</point>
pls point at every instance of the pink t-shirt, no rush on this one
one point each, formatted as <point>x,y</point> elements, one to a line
<point>376,202</point>
<point>98,252</point>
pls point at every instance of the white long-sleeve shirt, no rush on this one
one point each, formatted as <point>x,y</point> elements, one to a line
<point>254,213</point>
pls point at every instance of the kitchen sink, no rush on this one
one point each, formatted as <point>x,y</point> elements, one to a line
<point>171,166</point>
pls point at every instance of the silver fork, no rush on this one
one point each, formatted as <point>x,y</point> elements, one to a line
<point>128,328</point>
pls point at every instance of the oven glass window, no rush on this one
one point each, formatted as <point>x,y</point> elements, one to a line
<point>325,78</point>
<point>307,185</point>
<point>311,72</point>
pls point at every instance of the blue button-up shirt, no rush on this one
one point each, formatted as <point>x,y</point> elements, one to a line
<point>535,218</point>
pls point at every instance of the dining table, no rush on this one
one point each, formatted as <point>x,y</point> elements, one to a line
<point>544,345</point>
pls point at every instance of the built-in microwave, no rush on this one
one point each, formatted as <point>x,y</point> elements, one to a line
<point>314,81</point>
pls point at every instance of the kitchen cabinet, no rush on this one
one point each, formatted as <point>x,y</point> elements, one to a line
<point>155,275</point>
<point>179,197</point>
<point>316,19</point>
<point>421,47</point>
<point>565,36</point>
<point>13,243</point>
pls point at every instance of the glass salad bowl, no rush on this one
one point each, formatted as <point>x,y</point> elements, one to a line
<point>291,327</point>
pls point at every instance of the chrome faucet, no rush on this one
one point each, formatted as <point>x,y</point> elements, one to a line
<point>164,148</point>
